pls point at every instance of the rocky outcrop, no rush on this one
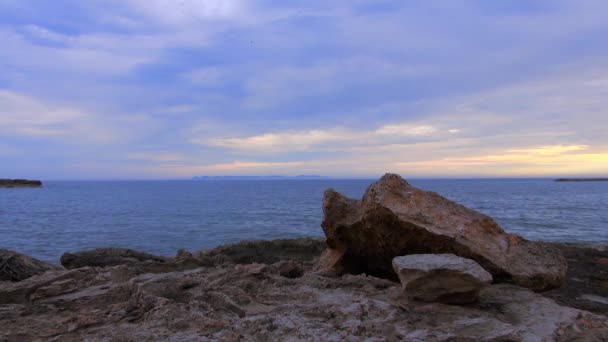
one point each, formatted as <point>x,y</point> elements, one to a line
<point>255,302</point>
<point>266,252</point>
<point>102,257</point>
<point>394,218</point>
<point>19,183</point>
<point>444,278</point>
<point>17,267</point>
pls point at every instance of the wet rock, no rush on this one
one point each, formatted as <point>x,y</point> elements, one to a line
<point>16,267</point>
<point>103,257</point>
<point>394,218</point>
<point>444,278</point>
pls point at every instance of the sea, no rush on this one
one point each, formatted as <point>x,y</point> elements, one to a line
<point>163,216</point>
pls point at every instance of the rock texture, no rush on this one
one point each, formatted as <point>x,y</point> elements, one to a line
<point>394,218</point>
<point>102,257</point>
<point>19,183</point>
<point>586,286</point>
<point>444,278</point>
<point>267,252</point>
<point>254,302</point>
<point>17,267</point>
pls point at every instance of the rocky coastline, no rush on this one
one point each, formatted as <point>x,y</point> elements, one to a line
<point>20,183</point>
<point>401,264</point>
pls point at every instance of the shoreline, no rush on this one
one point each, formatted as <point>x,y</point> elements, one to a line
<point>601,246</point>
<point>269,290</point>
<point>587,271</point>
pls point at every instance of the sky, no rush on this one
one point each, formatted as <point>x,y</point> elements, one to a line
<point>171,89</point>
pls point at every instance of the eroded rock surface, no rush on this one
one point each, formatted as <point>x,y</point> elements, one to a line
<point>586,285</point>
<point>102,257</point>
<point>15,266</point>
<point>255,302</point>
<point>444,278</point>
<point>394,218</point>
<point>266,252</point>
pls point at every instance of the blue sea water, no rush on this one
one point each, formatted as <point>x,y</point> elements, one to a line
<point>163,216</point>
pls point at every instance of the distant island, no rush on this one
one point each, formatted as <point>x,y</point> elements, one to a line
<point>272,177</point>
<point>19,183</point>
<point>582,180</point>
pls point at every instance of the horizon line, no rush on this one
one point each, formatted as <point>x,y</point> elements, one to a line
<point>295,178</point>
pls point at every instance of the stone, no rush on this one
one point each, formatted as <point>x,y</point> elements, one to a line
<point>394,218</point>
<point>16,267</point>
<point>444,278</point>
<point>103,257</point>
<point>289,269</point>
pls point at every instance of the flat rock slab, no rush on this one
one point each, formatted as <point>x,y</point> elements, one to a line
<point>394,218</point>
<point>444,278</point>
<point>16,267</point>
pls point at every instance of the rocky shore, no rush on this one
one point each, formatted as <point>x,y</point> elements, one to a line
<point>452,275</point>
<point>20,183</point>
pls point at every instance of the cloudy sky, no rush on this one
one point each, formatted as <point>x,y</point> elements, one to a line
<point>176,88</point>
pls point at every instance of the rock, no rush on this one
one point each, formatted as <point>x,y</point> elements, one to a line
<point>103,257</point>
<point>394,218</point>
<point>255,303</point>
<point>444,278</point>
<point>289,269</point>
<point>587,278</point>
<point>183,254</point>
<point>17,267</point>
<point>19,183</point>
<point>267,251</point>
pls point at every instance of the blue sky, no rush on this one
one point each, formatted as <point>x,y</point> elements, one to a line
<point>173,89</point>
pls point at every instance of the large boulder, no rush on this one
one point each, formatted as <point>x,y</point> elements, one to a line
<point>394,218</point>
<point>444,278</point>
<point>16,267</point>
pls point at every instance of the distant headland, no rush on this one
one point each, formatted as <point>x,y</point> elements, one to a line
<point>19,183</point>
<point>582,180</point>
<point>272,177</point>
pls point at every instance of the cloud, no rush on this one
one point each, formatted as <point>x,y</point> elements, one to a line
<point>343,88</point>
<point>187,11</point>
<point>540,161</point>
<point>405,129</point>
<point>203,76</point>
<point>550,150</point>
<point>25,116</point>
<point>283,85</point>
<point>281,142</point>
<point>156,157</point>
<point>320,139</point>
